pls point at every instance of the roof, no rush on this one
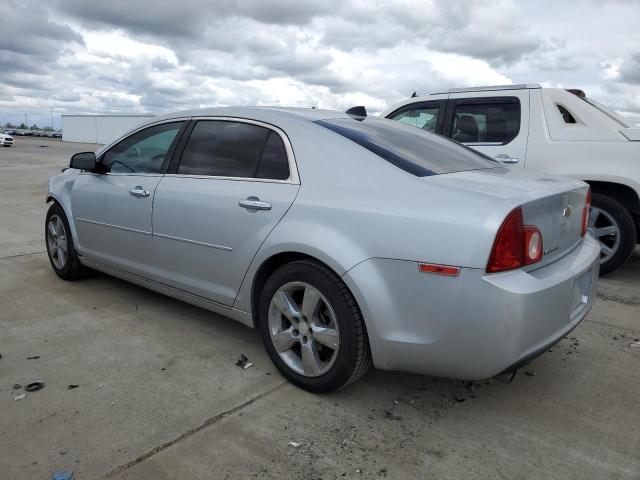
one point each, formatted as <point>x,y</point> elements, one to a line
<point>265,114</point>
<point>104,115</point>
<point>521,86</point>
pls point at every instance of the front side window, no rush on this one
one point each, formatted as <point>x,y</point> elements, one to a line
<point>425,118</point>
<point>234,149</point>
<point>414,151</point>
<point>491,122</point>
<point>143,152</point>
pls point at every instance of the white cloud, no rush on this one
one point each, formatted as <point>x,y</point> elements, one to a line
<point>127,56</point>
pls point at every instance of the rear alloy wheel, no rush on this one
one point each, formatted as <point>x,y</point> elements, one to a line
<point>612,225</point>
<point>304,329</point>
<point>312,328</point>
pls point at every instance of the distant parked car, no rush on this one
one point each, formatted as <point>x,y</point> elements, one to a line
<point>6,140</point>
<point>551,130</point>
<point>345,239</point>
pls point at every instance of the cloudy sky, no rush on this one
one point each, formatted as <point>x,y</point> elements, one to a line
<point>129,56</point>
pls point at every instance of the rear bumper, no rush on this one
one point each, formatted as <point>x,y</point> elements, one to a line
<point>476,325</point>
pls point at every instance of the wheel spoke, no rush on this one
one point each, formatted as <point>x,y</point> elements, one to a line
<point>606,250</point>
<point>52,230</point>
<point>310,360</point>
<point>310,302</point>
<point>62,256</point>
<point>284,340</point>
<point>327,337</point>
<point>286,305</point>
<point>594,213</point>
<point>610,230</point>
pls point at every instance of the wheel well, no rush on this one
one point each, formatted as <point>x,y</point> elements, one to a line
<point>623,194</point>
<point>267,268</point>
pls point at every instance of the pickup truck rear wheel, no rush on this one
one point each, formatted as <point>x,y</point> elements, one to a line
<point>613,226</point>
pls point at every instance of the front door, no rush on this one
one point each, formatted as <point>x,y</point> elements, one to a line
<point>112,209</point>
<point>234,182</point>
<point>497,126</point>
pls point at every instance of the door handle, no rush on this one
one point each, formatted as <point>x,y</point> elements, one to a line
<point>254,203</point>
<point>139,192</point>
<point>504,158</point>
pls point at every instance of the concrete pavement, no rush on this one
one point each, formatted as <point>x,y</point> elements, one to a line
<point>159,396</point>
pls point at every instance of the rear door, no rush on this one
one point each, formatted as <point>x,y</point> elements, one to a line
<point>496,125</point>
<point>112,209</point>
<point>231,183</point>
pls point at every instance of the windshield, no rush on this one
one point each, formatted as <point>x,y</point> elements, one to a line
<point>413,150</point>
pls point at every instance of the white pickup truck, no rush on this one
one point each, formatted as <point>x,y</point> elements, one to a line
<point>552,130</point>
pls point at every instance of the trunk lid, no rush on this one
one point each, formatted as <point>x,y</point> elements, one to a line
<point>553,204</point>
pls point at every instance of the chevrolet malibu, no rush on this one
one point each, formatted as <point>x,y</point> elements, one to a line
<point>347,240</point>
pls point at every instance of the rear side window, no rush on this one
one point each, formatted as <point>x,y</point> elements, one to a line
<point>425,118</point>
<point>495,122</point>
<point>414,151</point>
<point>566,114</point>
<point>234,149</point>
<point>274,163</point>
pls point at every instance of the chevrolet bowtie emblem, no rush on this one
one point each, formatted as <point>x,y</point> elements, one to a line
<point>566,211</point>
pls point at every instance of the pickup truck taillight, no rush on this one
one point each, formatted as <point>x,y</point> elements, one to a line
<point>585,213</point>
<point>516,244</point>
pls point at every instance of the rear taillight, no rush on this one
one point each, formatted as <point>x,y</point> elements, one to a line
<point>516,244</point>
<point>585,213</point>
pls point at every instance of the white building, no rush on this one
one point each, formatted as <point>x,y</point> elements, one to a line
<point>97,128</point>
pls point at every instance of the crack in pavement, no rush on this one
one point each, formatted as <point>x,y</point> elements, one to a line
<point>121,468</point>
<point>615,298</point>
<point>22,255</point>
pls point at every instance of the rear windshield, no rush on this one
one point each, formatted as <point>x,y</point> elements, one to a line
<point>413,150</point>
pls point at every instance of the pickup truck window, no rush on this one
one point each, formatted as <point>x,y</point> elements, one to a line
<point>566,114</point>
<point>425,118</point>
<point>495,122</point>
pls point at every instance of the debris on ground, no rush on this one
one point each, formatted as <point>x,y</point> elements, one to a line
<point>71,387</point>
<point>20,397</point>
<point>99,386</point>
<point>35,357</point>
<point>34,386</point>
<point>62,476</point>
<point>389,415</point>
<point>458,398</point>
<point>294,444</point>
<point>243,362</point>
<point>635,344</point>
<point>17,386</point>
<point>530,373</point>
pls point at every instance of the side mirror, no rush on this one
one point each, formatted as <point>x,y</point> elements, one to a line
<point>83,161</point>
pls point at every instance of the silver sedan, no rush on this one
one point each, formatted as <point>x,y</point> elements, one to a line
<point>347,240</point>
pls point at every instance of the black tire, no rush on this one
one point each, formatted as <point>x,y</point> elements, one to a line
<point>627,231</point>
<point>72,268</point>
<point>353,358</point>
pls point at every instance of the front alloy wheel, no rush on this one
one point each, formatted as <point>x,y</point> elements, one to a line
<point>60,247</point>
<point>57,242</point>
